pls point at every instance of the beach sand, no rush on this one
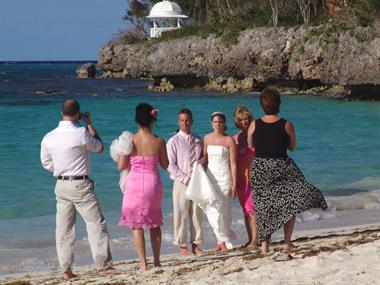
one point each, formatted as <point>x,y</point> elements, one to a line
<point>349,255</point>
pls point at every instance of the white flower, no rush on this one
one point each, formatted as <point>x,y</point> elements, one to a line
<point>196,140</point>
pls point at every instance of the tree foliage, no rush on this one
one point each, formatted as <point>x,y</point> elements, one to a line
<point>229,16</point>
<point>225,11</point>
<point>136,15</point>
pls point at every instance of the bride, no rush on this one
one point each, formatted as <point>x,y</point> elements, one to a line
<point>220,153</point>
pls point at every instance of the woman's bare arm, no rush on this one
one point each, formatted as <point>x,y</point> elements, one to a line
<point>204,159</point>
<point>292,135</point>
<point>233,156</point>
<point>251,130</point>
<point>123,162</point>
<point>164,161</point>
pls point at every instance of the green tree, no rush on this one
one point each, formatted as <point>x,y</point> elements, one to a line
<point>136,16</point>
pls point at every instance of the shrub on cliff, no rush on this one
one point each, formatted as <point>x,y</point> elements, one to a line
<point>130,36</point>
<point>367,11</point>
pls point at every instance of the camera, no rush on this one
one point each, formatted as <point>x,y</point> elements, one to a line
<point>84,115</point>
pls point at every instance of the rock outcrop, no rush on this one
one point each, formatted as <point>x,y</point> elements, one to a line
<point>302,58</point>
<point>163,86</point>
<point>87,70</point>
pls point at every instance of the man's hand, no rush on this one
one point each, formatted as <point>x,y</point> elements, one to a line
<point>86,117</point>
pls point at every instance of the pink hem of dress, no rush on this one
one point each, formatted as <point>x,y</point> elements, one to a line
<point>138,227</point>
<point>141,218</point>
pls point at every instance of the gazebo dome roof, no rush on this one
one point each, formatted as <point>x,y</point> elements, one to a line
<point>166,9</point>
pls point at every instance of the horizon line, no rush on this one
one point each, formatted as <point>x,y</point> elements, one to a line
<point>46,61</point>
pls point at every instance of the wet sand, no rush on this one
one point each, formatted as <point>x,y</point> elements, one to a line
<point>348,255</point>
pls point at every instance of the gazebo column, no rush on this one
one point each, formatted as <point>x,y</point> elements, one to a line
<point>178,23</point>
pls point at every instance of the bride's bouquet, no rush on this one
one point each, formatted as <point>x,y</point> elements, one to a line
<point>123,145</point>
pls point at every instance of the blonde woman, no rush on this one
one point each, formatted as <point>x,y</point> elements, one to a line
<point>243,118</point>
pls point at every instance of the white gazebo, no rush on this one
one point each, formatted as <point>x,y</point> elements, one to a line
<point>162,12</point>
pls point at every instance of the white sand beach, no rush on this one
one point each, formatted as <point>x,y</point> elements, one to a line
<point>348,255</point>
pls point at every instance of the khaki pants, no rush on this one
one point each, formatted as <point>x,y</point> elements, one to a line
<point>79,195</point>
<point>186,214</point>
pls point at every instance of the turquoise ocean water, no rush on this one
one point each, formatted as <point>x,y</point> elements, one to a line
<point>338,151</point>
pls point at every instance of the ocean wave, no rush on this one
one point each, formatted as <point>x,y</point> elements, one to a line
<point>167,238</point>
<point>26,103</point>
<point>343,205</point>
<point>314,215</point>
<point>358,201</point>
<point>26,244</point>
<point>368,183</point>
<point>36,265</point>
<point>120,240</point>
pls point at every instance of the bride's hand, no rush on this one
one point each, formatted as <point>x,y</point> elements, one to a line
<point>232,192</point>
<point>202,160</point>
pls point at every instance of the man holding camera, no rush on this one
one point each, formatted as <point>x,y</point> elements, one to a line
<point>65,151</point>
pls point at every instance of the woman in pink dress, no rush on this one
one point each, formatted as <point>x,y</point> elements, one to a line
<point>143,189</point>
<point>243,118</point>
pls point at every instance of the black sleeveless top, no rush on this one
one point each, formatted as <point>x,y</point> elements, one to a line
<point>270,139</point>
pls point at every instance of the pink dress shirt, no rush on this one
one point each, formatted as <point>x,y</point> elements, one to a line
<point>179,147</point>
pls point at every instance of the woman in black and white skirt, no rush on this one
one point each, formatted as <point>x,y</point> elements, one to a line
<point>280,190</point>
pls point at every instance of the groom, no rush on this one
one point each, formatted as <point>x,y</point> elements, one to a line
<point>184,148</point>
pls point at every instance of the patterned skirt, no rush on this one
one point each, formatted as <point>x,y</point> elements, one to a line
<point>280,191</point>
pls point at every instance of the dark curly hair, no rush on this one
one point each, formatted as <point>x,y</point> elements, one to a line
<point>143,115</point>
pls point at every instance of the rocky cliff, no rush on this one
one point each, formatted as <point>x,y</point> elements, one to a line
<point>321,57</point>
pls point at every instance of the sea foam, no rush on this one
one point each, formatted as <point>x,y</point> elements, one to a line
<point>358,201</point>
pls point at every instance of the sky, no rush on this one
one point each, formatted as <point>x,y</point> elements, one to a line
<point>58,29</point>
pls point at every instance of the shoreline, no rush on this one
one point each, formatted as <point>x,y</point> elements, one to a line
<point>343,246</point>
<point>37,254</point>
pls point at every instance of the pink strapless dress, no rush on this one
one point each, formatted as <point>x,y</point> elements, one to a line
<point>244,192</point>
<point>143,194</point>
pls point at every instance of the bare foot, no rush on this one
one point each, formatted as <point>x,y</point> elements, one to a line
<point>158,264</point>
<point>184,251</point>
<point>196,249</point>
<point>67,275</point>
<point>223,246</point>
<point>143,268</point>
<point>288,247</point>
<point>264,249</point>
<point>250,245</point>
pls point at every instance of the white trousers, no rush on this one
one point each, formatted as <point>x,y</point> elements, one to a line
<point>79,195</point>
<point>186,215</point>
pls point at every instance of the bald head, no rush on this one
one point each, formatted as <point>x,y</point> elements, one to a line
<point>70,108</point>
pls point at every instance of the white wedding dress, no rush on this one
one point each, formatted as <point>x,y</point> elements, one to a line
<point>123,145</point>
<point>210,188</point>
